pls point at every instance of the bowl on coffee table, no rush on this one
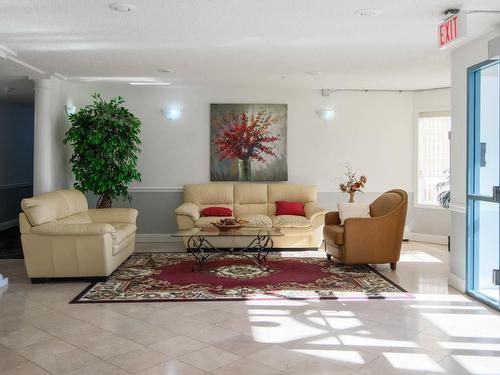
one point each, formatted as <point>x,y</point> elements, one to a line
<point>229,225</point>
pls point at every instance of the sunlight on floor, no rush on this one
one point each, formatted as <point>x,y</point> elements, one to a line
<point>418,257</point>
<point>484,365</point>
<point>369,341</point>
<point>412,361</point>
<point>461,325</point>
<point>435,334</point>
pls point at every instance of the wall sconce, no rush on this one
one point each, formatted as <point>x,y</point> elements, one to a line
<point>70,109</point>
<point>326,114</point>
<point>171,113</point>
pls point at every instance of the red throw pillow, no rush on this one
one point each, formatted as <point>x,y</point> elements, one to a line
<point>217,211</point>
<point>290,208</point>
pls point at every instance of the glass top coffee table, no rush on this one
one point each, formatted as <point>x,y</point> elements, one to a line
<point>260,243</point>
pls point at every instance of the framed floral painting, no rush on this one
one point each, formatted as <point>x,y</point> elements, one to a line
<point>248,142</point>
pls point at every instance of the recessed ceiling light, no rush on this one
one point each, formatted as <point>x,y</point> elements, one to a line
<point>368,12</point>
<point>165,71</point>
<point>122,7</point>
<point>313,73</point>
<point>150,83</point>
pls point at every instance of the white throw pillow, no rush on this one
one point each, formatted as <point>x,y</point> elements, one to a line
<point>348,210</point>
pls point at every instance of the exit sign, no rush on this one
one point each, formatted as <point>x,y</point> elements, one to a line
<point>452,29</point>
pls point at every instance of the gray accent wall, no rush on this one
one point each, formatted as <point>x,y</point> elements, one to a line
<point>157,216</point>
<point>16,159</point>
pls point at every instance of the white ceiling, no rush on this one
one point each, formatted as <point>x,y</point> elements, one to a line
<point>241,42</point>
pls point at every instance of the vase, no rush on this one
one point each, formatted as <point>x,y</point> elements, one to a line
<point>351,197</point>
<point>244,170</point>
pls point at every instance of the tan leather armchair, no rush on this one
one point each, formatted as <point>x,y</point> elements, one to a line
<point>61,237</point>
<point>372,240</point>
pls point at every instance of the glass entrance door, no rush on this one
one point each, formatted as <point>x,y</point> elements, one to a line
<point>483,187</point>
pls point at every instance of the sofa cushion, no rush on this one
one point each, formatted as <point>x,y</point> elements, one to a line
<point>206,221</point>
<point>291,193</point>
<point>81,218</point>
<point>53,206</point>
<point>290,208</point>
<point>257,221</point>
<point>353,210</point>
<point>250,193</point>
<point>250,199</point>
<point>334,233</point>
<point>290,221</point>
<point>217,211</point>
<point>123,231</point>
<point>209,194</point>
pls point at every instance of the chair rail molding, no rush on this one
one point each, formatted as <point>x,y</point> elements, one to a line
<point>155,189</point>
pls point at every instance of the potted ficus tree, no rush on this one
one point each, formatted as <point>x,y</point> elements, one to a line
<point>105,140</point>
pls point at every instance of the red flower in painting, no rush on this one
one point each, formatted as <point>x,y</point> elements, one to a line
<point>245,137</point>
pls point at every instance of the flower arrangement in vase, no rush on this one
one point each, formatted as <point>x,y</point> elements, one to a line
<point>352,183</point>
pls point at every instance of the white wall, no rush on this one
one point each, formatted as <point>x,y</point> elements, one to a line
<point>462,58</point>
<point>373,131</point>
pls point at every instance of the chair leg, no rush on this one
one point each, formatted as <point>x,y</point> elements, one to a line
<point>393,266</point>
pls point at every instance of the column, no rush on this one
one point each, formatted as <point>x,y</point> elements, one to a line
<point>42,153</point>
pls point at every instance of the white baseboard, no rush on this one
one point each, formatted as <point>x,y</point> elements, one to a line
<point>456,282</point>
<point>156,237</point>
<point>9,224</point>
<point>429,238</point>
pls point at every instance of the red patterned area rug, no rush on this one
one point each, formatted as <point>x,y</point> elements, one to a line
<point>149,277</point>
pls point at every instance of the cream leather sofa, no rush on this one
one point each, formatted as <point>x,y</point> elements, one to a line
<point>255,203</point>
<point>61,237</point>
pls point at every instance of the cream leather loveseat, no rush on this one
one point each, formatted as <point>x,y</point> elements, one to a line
<point>61,237</point>
<point>255,203</point>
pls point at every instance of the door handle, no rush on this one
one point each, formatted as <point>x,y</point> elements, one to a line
<point>496,194</point>
<point>496,277</point>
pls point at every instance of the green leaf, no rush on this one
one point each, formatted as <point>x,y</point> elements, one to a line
<point>105,142</point>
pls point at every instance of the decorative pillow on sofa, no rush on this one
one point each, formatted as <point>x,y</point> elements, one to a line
<point>348,210</point>
<point>290,208</point>
<point>217,211</point>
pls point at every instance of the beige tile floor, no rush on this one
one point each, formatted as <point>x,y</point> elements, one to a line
<point>440,331</point>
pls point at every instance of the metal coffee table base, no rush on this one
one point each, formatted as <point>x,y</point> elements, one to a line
<point>256,251</point>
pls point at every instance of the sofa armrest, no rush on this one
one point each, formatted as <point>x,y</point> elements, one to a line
<point>62,229</point>
<point>373,240</point>
<point>113,215</point>
<point>188,209</point>
<point>332,218</point>
<point>312,211</point>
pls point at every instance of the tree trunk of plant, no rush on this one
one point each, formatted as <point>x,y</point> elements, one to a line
<point>104,201</point>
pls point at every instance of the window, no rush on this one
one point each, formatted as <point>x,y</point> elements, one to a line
<point>433,155</point>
